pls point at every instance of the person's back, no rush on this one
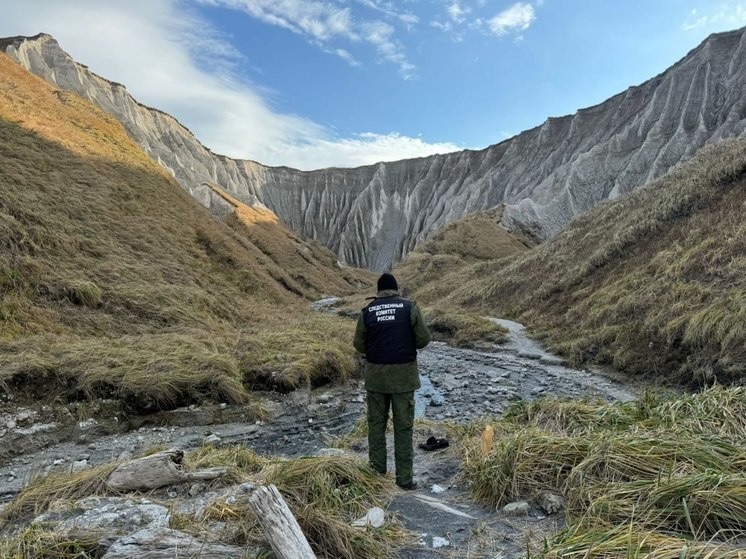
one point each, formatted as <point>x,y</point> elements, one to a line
<point>389,332</point>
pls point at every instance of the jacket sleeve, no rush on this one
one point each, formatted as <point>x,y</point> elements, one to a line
<point>421,333</point>
<point>359,341</point>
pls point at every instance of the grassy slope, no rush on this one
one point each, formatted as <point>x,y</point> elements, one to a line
<point>432,271</point>
<point>114,282</point>
<point>301,265</point>
<point>654,282</point>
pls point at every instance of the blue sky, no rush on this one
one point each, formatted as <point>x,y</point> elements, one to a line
<point>316,83</point>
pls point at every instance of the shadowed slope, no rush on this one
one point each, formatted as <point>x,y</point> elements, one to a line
<point>115,282</point>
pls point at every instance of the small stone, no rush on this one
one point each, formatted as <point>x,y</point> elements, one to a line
<point>437,489</point>
<point>59,461</point>
<point>223,406</point>
<point>439,542</point>
<point>437,400</point>
<point>196,488</point>
<point>518,508</point>
<point>83,456</point>
<point>550,503</point>
<point>80,465</point>
<point>211,440</point>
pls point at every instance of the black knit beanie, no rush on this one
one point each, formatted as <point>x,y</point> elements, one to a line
<point>387,281</point>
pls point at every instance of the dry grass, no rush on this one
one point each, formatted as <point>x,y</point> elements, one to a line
<point>325,495</point>
<point>650,283</point>
<point>436,268</point>
<point>627,541</point>
<point>463,329</point>
<point>36,497</point>
<point>114,282</point>
<point>652,477</point>
<point>39,543</point>
<point>302,266</point>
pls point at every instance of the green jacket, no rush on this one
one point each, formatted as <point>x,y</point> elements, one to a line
<point>393,379</point>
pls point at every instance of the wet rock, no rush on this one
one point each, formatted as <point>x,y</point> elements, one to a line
<point>550,503</point>
<point>167,544</point>
<point>518,508</point>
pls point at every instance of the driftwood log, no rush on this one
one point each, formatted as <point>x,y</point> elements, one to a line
<point>157,470</point>
<point>279,524</point>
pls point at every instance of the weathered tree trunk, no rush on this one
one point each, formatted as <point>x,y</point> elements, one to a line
<point>279,524</point>
<point>157,470</point>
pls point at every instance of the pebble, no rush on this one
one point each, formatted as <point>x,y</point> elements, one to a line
<point>437,489</point>
<point>439,542</point>
<point>437,400</point>
<point>211,440</point>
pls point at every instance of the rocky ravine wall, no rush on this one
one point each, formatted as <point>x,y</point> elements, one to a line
<point>372,216</point>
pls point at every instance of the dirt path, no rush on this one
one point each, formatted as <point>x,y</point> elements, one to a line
<point>457,384</point>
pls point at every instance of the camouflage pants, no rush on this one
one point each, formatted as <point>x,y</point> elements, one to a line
<point>402,406</point>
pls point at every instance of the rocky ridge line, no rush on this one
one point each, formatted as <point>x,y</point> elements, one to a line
<point>372,216</point>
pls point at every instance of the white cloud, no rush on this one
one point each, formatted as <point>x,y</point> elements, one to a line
<point>364,149</point>
<point>381,35</point>
<point>457,12</point>
<point>517,17</point>
<point>390,10</point>
<point>727,14</point>
<point>323,22</point>
<point>154,49</point>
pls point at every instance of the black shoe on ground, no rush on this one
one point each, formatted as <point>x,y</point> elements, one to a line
<point>408,486</point>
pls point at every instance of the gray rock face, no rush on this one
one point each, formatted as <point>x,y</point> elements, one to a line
<point>169,544</point>
<point>372,216</point>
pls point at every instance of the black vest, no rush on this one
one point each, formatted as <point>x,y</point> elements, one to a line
<point>389,338</point>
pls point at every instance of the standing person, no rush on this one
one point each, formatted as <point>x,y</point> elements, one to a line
<point>389,332</point>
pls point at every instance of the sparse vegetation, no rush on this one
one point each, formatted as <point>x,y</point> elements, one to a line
<point>654,477</point>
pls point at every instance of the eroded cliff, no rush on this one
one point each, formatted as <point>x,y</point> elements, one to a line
<point>372,216</point>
